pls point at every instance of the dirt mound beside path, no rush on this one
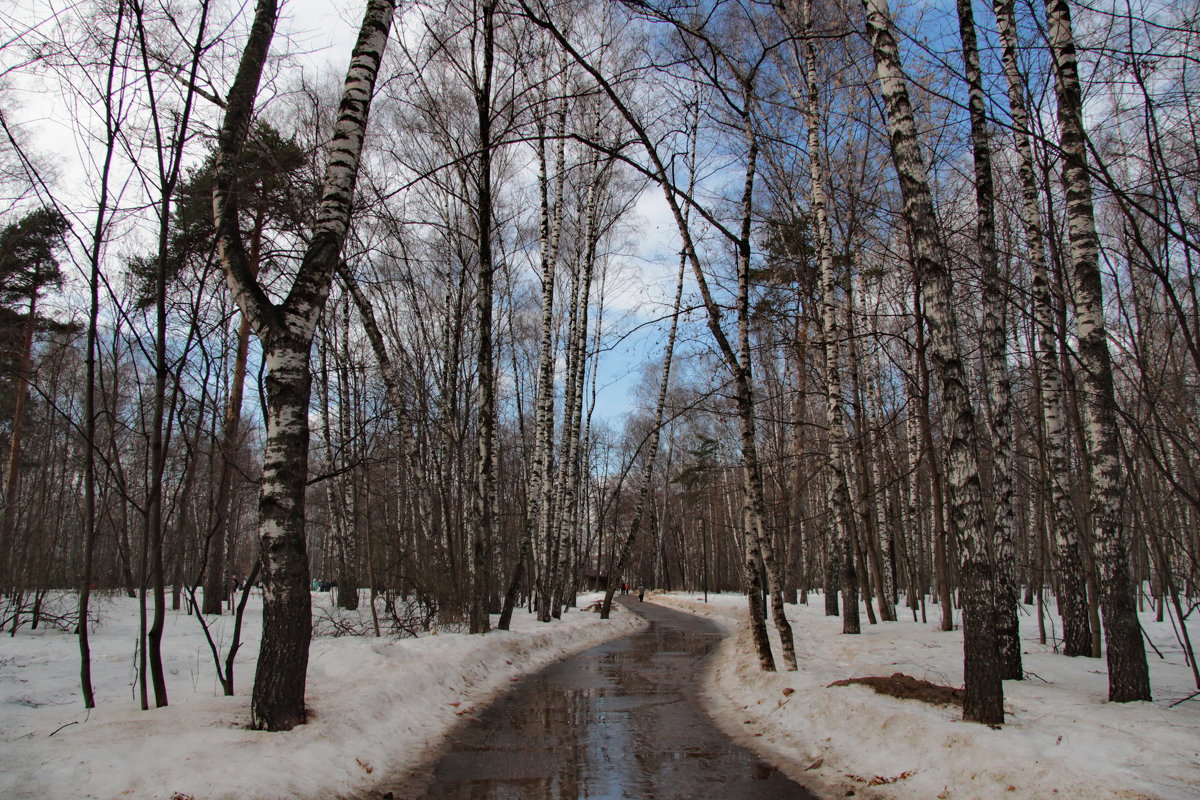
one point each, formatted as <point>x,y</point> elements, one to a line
<point>906,687</point>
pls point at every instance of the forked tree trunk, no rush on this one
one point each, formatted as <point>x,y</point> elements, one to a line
<point>286,331</point>
<point>1128,673</point>
<point>1072,594</point>
<point>983,692</point>
<point>995,355</point>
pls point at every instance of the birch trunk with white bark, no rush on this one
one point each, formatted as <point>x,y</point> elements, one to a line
<point>995,355</point>
<point>1072,593</point>
<point>1128,673</point>
<point>544,519</point>
<point>286,330</point>
<point>573,403</point>
<point>835,413</point>
<point>983,692</point>
<point>484,485</point>
<point>759,547</point>
<point>539,472</point>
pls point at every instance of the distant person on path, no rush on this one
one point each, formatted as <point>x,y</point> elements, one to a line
<point>641,593</point>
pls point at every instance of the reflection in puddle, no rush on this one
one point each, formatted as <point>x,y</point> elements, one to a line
<point>618,721</point>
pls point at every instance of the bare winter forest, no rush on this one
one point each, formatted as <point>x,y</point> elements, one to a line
<point>890,309</point>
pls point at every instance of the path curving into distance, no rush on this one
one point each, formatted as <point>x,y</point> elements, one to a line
<point>621,721</point>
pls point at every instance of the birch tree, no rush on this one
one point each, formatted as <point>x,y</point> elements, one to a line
<point>838,492</point>
<point>1072,594</point>
<point>983,695</point>
<point>1128,674</point>
<point>286,330</point>
<point>995,352</point>
<point>482,499</point>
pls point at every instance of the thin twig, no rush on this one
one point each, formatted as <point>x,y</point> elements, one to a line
<point>1149,642</point>
<point>89,714</point>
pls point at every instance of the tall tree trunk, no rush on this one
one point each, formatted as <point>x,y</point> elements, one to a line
<point>12,482</point>
<point>482,495</point>
<point>572,438</point>
<point>1128,674</point>
<point>539,478</point>
<point>1072,596</point>
<point>168,152</point>
<point>216,585</point>
<point>995,355</point>
<point>937,500</point>
<point>831,313</point>
<point>99,231</point>
<point>546,550</point>
<point>348,582</point>
<point>983,694</point>
<point>286,331</point>
<point>913,528</point>
<point>797,553</point>
<point>759,547</point>
<point>335,491</point>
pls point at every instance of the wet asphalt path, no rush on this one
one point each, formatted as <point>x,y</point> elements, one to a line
<point>620,721</point>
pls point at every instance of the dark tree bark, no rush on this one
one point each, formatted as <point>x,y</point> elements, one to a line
<point>169,157</point>
<point>99,232</point>
<point>995,354</point>
<point>482,495</point>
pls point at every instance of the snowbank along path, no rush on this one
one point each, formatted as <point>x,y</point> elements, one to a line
<point>373,702</point>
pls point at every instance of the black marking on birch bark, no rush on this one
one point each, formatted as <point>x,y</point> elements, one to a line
<point>1128,673</point>
<point>983,700</point>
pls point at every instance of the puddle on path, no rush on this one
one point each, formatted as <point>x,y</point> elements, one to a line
<point>618,722</point>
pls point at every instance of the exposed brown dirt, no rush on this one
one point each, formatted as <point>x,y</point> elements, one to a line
<point>906,687</point>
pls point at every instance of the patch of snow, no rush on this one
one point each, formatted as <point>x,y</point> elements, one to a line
<point>1061,739</point>
<point>378,707</point>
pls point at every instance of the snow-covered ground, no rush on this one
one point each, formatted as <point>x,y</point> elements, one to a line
<point>379,707</point>
<point>1062,738</point>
